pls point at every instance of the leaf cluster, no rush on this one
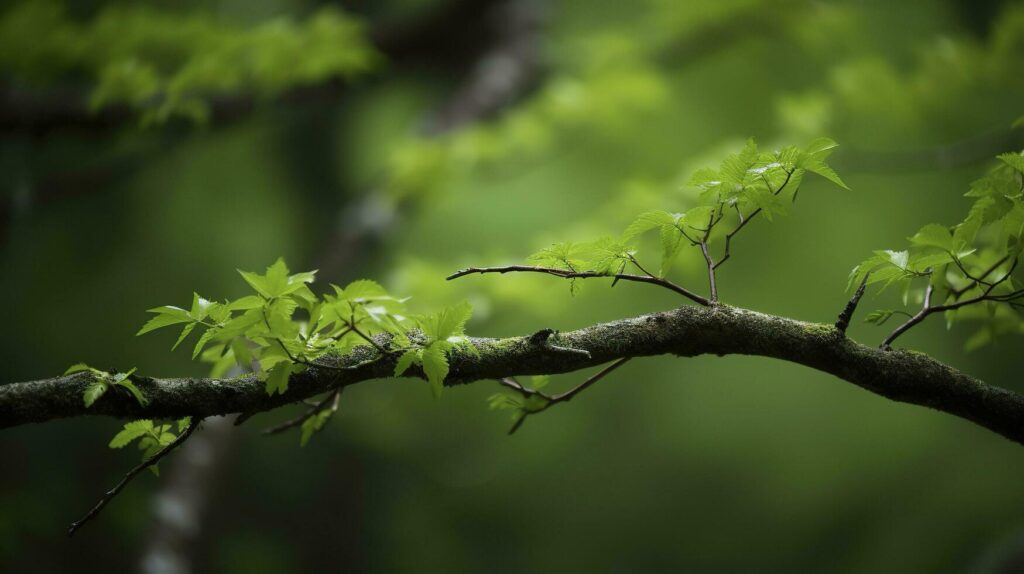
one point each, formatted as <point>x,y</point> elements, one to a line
<point>152,437</point>
<point>103,381</point>
<point>965,270</point>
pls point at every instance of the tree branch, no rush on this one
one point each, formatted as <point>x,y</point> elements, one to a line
<point>687,331</point>
<point>110,494</point>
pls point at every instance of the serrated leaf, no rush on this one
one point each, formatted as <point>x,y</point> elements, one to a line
<point>878,317</point>
<point>559,256</point>
<point>184,423</point>
<point>130,387</point>
<point>78,368</point>
<point>278,375</point>
<point>165,317</point>
<point>245,303</point>
<point>184,333</point>
<point>647,221</point>
<point>314,424</point>
<point>1014,160</point>
<point>131,431</point>
<point>276,282</point>
<point>406,360</point>
<point>435,366</point>
<point>448,322</point>
<point>93,392</point>
<point>933,235</point>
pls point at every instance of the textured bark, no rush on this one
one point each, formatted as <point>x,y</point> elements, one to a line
<point>904,376</point>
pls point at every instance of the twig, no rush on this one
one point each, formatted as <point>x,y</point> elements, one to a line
<point>745,220</point>
<point>566,274</point>
<point>551,400</point>
<point>851,307</point>
<point>329,402</point>
<point>110,494</point>
<point>927,309</point>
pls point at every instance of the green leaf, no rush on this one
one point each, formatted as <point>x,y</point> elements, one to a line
<point>648,221</point>
<point>1014,160</point>
<point>697,218</point>
<point>407,359</point>
<point>78,368</point>
<point>276,282</point>
<point>165,317</point>
<point>435,365</point>
<point>671,241</point>
<point>933,235</point>
<point>820,148</point>
<point>203,340</point>
<point>200,307</point>
<point>898,258</point>
<point>131,431</point>
<point>448,322</point>
<point>813,160</point>
<point>364,290</point>
<point>242,355</point>
<point>278,375</point>
<point>734,168</point>
<point>314,424</point>
<point>608,255</point>
<point>540,381</point>
<point>184,423</point>
<point>93,392</point>
<point>878,317</point>
<point>245,303</point>
<point>131,388</point>
<point>184,333</point>
<point>559,256</point>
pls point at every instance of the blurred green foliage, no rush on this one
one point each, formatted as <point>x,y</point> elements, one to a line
<point>706,464</point>
<point>167,63</point>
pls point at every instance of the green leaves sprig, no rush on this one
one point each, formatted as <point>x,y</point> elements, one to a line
<point>151,437</point>
<point>443,331</point>
<point>964,271</point>
<point>102,381</point>
<point>745,185</point>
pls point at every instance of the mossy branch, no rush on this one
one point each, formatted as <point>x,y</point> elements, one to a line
<point>903,376</point>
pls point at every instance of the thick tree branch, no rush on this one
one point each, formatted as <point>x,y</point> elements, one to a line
<point>903,376</point>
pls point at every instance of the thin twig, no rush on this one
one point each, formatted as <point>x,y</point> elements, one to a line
<point>328,402</point>
<point>110,494</point>
<point>956,293</point>
<point>566,274</point>
<point>927,309</point>
<point>745,220</point>
<point>551,400</point>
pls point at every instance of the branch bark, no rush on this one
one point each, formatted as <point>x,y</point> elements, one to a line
<point>903,376</point>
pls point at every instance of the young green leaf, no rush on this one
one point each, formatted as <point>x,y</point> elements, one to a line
<point>314,424</point>
<point>408,358</point>
<point>78,368</point>
<point>435,365</point>
<point>165,317</point>
<point>131,431</point>
<point>93,392</point>
<point>448,322</point>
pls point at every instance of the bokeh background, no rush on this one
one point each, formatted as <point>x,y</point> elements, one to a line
<point>150,149</point>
